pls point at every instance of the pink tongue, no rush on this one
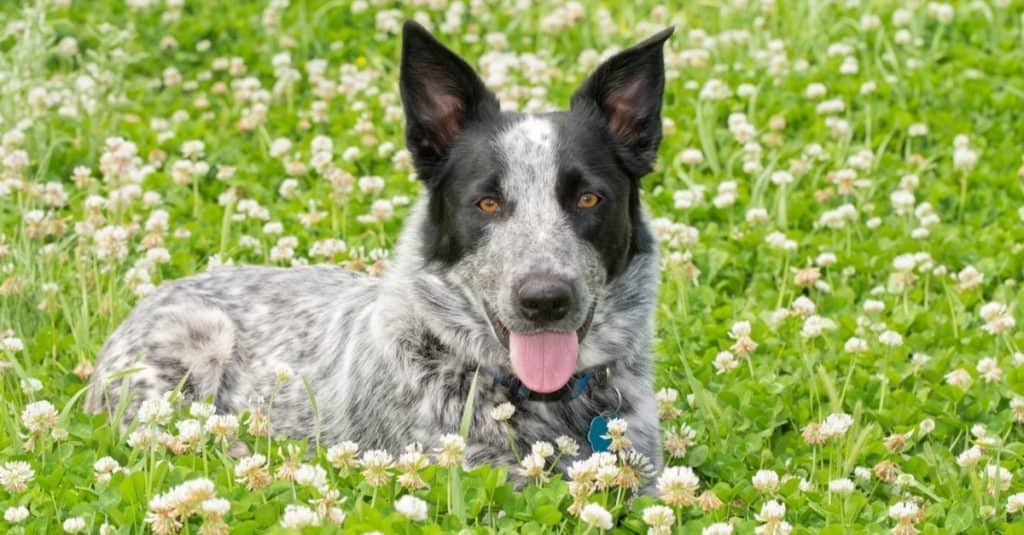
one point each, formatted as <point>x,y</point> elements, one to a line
<point>545,361</point>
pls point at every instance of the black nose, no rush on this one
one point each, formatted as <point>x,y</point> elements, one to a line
<point>544,299</point>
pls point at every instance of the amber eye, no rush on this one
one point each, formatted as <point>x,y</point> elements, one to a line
<point>588,200</point>
<point>488,205</point>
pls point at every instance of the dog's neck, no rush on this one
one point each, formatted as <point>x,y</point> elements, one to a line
<point>427,299</point>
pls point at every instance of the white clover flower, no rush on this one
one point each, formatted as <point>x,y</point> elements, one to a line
<point>201,411</point>
<point>39,417</point>
<point>12,344</point>
<point>283,372</point>
<point>1017,406</point>
<point>841,486</point>
<point>144,438</point>
<point>904,512</point>
<point>251,470</point>
<point>1014,503</point>
<point>715,89</point>
<point>678,485</point>
<point>958,378</point>
<point>718,528</point>
<point>503,412</point>
<point>156,411</point>
<point>216,506</point>
<point>412,508</point>
<point>31,385</point>
<point>997,318</point>
<point>891,339</point>
<point>739,329</point>
<point>596,516</point>
<point>193,149</point>
<point>75,524</point>
<point>567,446</point>
<point>996,478</point>
<point>815,326</point>
<point>826,259</point>
<point>815,91</point>
<point>781,178</point>
<point>451,450</point>
<point>941,12</point>
<point>382,210</point>
<point>855,345</point>
<point>917,130</point>
<point>862,473</point>
<point>969,278</point>
<point>15,476</point>
<point>660,518</point>
<point>989,370</point>
<point>771,512</point>
<point>288,188</point>
<point>759,215</point>
<point>766,481</point>
<point>725,362</point>
<point>830,106</point>
<point>343,454</point>
<point>778,240</point>
<point>849,65</point>
<point>16,515</point>
<point>376,465</point>
<point>104,468</point>
<point>544,449</point>
<point>532,465</point>
<point>310,475</point>
<point>803,306</point>
<point>970,457</point>
<point>836,424</point>
<point>280,147</point>
<point>222,425</point>
<point>298,517</point>
<point>691,156</point>
<point>746,90</point>
<point>964,159</point>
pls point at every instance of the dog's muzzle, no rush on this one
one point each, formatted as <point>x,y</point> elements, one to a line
<point>544,361</point>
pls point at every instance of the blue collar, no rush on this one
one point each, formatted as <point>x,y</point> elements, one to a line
<point>575,388</point>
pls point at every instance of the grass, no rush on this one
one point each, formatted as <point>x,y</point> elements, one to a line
<point>868,231</point>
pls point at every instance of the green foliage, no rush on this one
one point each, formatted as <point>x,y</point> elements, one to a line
<point>881,181</point>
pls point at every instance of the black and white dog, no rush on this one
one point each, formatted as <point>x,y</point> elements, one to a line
<point>527,258</point>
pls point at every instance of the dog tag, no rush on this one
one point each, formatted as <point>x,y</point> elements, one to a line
<point>597,436</point>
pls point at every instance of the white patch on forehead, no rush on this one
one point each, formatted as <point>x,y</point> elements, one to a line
<point>528,148</point>
<point>537,234</point>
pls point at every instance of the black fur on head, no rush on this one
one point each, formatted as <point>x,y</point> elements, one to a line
<point>606,142</point>
<point>625,93</point>
<point>441,94</point>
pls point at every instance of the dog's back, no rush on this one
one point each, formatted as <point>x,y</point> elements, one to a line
<point>222,335</point>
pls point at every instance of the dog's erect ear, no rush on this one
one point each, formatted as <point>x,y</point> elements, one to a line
<point>441,94</point>
<point>626,91</point>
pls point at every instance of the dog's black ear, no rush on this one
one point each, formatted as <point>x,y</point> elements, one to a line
<point>441,94</point>
<point>625,92</point>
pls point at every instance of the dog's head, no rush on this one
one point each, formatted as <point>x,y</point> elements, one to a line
<point>536,214</point>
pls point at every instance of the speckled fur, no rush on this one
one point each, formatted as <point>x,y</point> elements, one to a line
<point>390,360</point>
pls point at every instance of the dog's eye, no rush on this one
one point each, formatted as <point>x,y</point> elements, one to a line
<point>588,200</point>
<point>488,205</point>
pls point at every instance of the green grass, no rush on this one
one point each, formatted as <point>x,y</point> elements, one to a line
<point>159,79</point>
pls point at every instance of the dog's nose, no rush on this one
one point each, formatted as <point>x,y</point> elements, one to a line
<point>545,299</point>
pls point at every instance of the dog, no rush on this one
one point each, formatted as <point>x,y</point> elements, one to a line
<point>527,264</point>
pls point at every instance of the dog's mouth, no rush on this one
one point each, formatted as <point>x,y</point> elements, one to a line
<point>545,360</point>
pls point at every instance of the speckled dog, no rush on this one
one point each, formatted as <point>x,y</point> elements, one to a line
<point>527,258</point>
